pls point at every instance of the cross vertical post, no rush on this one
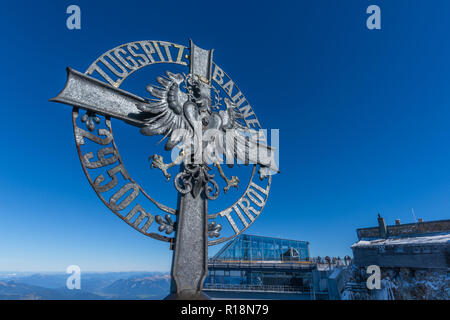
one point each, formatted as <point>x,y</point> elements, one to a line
<point>190,257</point>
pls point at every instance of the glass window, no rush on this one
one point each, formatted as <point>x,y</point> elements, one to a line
<point>268,244</point>
<point>277,244</point>
<point>255,255</point>
<point>269,254</point>
<point>235,273</point>
<point>220,273</point>
<point>293,244</point>
<point>247,247</point>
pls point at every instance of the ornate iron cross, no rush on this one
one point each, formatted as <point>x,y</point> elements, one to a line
<point>206,131</point>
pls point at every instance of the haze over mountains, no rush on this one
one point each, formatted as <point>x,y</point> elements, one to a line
<point>94,286</point>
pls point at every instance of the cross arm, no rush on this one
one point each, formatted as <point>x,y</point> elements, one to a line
<point>99,97</point>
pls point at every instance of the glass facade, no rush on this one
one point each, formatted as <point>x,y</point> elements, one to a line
<point>261,263</point>
<point>258,279</point>
<point>257,248</point>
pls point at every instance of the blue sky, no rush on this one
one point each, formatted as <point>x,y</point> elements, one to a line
<point>363,118</point>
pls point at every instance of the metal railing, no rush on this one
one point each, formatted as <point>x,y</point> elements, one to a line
<point>261,265</point>
<point>262,288</point>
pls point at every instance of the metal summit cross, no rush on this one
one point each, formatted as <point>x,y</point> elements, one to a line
<point>181,110</point>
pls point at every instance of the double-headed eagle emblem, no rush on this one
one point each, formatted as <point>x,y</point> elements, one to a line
<point>204,133</point>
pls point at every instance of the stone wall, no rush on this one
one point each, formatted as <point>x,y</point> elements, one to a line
<point>417,256</point>
<point>406,229</point>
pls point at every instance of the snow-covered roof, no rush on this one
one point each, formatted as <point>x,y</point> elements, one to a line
<point>442,238</point>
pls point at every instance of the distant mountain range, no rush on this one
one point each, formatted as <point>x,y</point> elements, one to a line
<point>147,287</point>
<point>94,286</point>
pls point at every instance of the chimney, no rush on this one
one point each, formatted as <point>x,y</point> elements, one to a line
<point>382,230</point>
<point>420,220</point>
<point>397,222</point>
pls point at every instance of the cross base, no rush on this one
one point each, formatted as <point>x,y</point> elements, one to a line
<point>188,295</point>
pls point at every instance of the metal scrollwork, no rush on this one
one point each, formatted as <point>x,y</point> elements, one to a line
<point>193,178</point>
<point>183,183</point>
<point>90,119</point>
<point>210,189</point>
<point>214,229</point>
<point>165,224</point>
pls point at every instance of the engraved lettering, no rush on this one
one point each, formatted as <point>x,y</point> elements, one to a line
<point>166,46</point>
<point>112,174</point>
<point>227,214</point>
<point>123,73</point>
<point>143,58</point>
<point>142,215</point>
<point>247,208</point>
<point>228,87</point>
<point>124,61</point>
<point>148,49</point>
<point>128,199</point>
<point>80,134</point>
<point>95,67</point>
<point>241,217</point>
<point>102,161</point>
<point>180,54</point>
<point>247,111</point>
<point>240,99</point>
<point>218,75</point>
<point>158,51</point>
